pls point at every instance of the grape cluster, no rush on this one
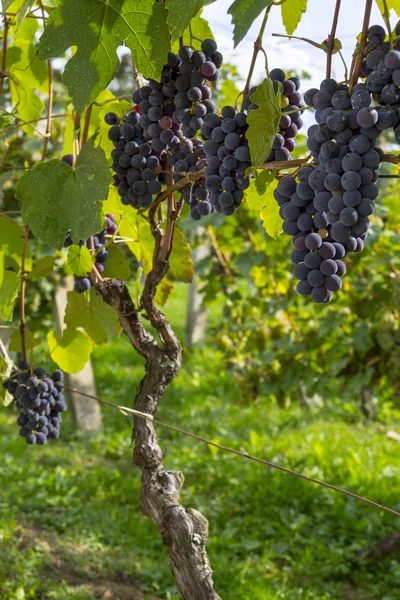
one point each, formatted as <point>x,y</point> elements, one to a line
<point>327,211</point>
<point>97,242</point>
<point>134,160</point>
<point>227,158</point>
<point>381,67</point>
<point>291,102</point>
<point>40,399</point>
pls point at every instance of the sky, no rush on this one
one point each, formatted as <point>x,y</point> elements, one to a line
<point>293,54</point>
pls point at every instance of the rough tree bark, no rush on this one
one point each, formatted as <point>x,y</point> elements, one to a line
<point>184,531</point>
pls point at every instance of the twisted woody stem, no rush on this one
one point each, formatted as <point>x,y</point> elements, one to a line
<point>184,531</point>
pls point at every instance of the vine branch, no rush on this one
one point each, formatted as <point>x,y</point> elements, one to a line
<point>257,48</point>
<point>331,39</point>
<point>359,53</point>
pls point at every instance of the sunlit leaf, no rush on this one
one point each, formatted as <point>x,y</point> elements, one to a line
<point>292,11</point>
<point>72,351</point>
<point>263,121</point>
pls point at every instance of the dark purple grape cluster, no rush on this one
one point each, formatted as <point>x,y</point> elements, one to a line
<point>97,243</point>
<point>135,160</point>
<point>227,158</point>
<point>40,399</point>
<point>334,197</point>
<point>381,67</point>
<point>290,123</point>
<point>317,258</point>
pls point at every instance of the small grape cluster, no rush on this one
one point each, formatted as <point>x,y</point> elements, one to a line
<point>291,103</point>
<point>40,399</point>
<point>97,242</point>
<point>228,156</point>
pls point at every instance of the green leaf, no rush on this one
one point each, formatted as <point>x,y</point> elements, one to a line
<point>79,260</point>
<point>12,242</point>
<point>180,262</point>
<point>292,11</point>
<point>258,193</point>
<point>57,197</point>
<point>180,13</point>
<point>200,29</point>
<point>43,268</point>
<point>5,371</point>
<point>21,7</point>
<point>391,5</point>
<point>270,213</point>
<point>244,13</point>
<point>32,339</point>
<point>97,28</point>
<point>27,74</point>
<point>163,292</point>
<point>117,266</point>
<point>263,121</point>
<point>9,288</point>
<point>72,351</point>
<point>93,315</point>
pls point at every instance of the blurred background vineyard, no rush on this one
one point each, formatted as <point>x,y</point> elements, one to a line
<point>314,388</point>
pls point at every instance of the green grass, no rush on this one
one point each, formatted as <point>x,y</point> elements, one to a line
<point>69,511</point>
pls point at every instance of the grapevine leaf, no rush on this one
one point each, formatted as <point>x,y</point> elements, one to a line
<point>244,13</point>
<point>128,227</point>
<point>72,351</point>
<point>270,213</point>
<point>117,265</point>
<point>9,288</point>
<point>93,315</point>
<point>263,121</point>
<point>258,193</point>
<point>43,268</point>
<point>180,263</point>
<point>292,12</point>
<point>103,26</point>
<point>79,260</point>
<point>27,74</point>
<point>391,5</point>
<point>137,231</point>
<point>5,371</point>
<point>163,292</point>
<point>31,339</point>
<point>20,7</point>
<point>57,197</point>
<point>180,13</point>
<point>12,242</point>
<point>200,29</point>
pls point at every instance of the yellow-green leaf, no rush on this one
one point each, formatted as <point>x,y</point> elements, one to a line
<point>200,31</point>
<point>79,260</point>
<point>12,242</point>
<point>9,288</point>
<point>263,121</point>
<point>72,351</point>
<point>163,291</point>
<point>292,11</point>
<point>258,193</point>
<point>91,314</point>
<point>117,265</point>
<point>180,262</point>
<point>270,216</point>
<point>32,339</point>
<point>391,5</point>
<point>43,267</point>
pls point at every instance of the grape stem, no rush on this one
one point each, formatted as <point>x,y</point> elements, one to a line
<point>257,48</point>
<point>43,135</point>
<point>331,39</point>
<point>23,290</point>
<point>359,52</point>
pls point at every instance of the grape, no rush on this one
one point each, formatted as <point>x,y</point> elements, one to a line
<point>376,35</point>
<point>313,241</point>
<point>352,162</point>
<point>392,60</point>
<point>351,181</point>
<point>340,232</point>
<point>367,117</point>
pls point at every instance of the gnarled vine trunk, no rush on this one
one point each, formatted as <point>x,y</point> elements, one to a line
<point>184,531</point>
